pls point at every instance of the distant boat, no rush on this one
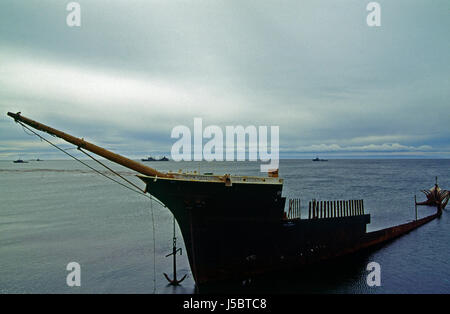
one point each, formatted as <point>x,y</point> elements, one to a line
<point>318,159</point>
<point>153,159</point>
<point>20,161</point>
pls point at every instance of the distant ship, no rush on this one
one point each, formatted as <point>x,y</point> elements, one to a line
<point>20,161</point>
<point>153,159</point>
<point>318,159</point>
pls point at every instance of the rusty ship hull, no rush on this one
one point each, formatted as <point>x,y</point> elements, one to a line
<point>233,232</point>
<point>237,231</point>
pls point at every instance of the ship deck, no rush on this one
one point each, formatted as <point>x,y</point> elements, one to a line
<point>214,178</point>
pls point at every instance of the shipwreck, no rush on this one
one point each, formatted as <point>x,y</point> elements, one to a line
<point>236,227</point>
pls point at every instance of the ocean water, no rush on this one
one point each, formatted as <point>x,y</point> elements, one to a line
<point>56,212</point>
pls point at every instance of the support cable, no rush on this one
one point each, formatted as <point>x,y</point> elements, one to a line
<point>138,189</point>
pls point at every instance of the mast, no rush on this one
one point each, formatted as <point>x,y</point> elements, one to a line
<point>81,143</point>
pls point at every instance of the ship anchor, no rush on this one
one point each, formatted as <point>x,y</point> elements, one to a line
<point>174,281</point>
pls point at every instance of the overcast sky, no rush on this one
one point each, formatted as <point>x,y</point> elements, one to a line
<point>136,69</point>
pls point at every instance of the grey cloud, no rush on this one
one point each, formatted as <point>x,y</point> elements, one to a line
<point>135,69</point>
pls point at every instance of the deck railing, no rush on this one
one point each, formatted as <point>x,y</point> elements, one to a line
<point>294,209</point>
<point>326,209</point>
<point>333,209</point>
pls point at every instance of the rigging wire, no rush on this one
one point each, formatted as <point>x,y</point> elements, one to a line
<point>151,210</point>
<point>154,247</point>
<point>139,190</point>
<point>113,171</point>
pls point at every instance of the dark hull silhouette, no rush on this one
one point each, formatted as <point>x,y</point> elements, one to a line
<point>20,161</point>
<point>153,159</point>
<point>235,232</point>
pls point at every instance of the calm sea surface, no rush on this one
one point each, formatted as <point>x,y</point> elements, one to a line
<point>56,212</point>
